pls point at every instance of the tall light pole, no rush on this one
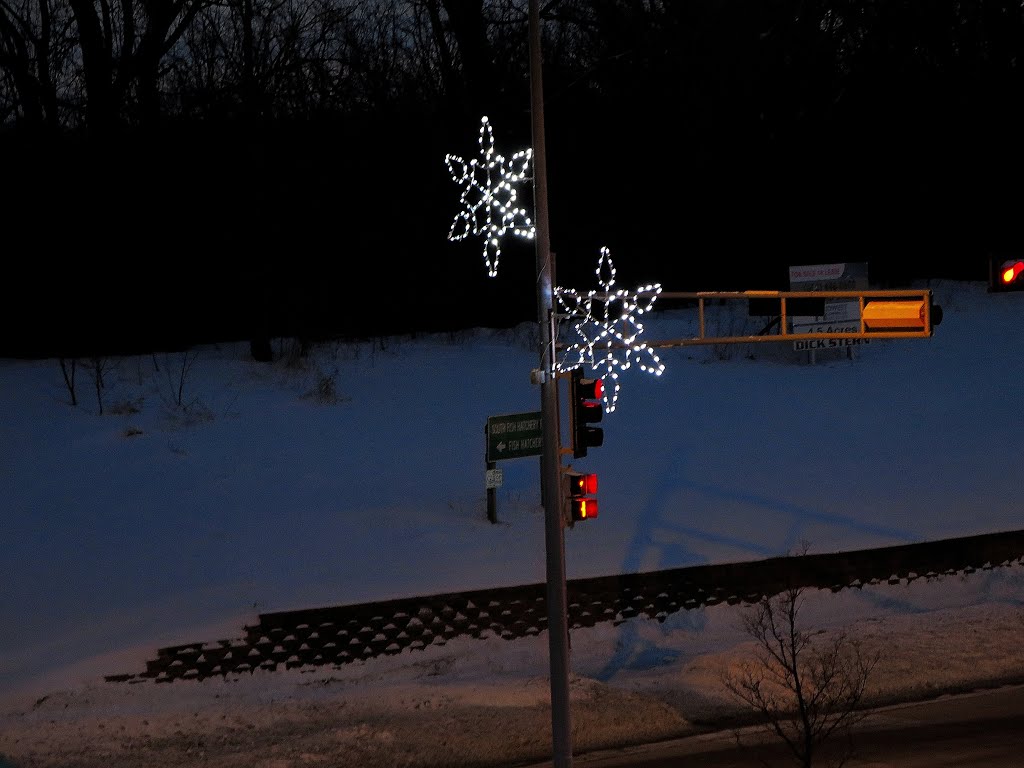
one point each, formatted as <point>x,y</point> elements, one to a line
<point>554,524</point>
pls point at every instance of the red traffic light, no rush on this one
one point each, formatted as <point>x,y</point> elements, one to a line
<point>581,488</point>
<point>583,509</point>
<point>582,485</point>
<point>1010,271</point>
<point>1006,272</point>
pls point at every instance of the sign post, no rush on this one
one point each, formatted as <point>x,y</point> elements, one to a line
<point>837,316</point>
<point>493,482</point>
<point>511,436</point>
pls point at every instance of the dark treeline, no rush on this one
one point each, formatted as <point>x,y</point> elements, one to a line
<point>186,171</point>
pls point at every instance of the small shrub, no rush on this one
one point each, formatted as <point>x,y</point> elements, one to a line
<point>126,407</point>
<point>190,415</point>
<point>176,369</point>
<point>325,388</point>
<point>100,369</point>
<point>293,352</point>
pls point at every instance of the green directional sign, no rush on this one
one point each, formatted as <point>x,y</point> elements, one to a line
<point>514,435</point>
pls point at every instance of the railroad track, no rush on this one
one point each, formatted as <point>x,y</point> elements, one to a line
<point>345,633</point>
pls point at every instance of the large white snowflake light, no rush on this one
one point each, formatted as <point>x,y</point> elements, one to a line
<point>490,196</point>
<point>607,339</point>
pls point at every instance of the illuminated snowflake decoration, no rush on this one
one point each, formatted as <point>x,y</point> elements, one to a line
<point>490,196</point>
<point>607,337</point>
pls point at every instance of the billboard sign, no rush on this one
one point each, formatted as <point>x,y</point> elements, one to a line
<point>840,315</point>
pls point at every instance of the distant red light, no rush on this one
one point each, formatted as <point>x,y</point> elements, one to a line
<point>1011,270</point>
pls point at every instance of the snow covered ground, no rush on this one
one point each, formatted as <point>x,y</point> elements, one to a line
<point>356,474</point>
<point>485,702</point>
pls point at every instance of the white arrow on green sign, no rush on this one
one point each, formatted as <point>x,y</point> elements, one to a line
<point>514,435</point>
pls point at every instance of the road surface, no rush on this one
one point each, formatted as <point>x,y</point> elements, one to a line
<point>983,728</point>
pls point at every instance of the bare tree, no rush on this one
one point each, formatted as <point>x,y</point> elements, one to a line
<point>67,367</point>
<point>177,375</point>
<point>806,686</point>
<point>122,43</point>
<point>98,367</point>
<point>27,60</point>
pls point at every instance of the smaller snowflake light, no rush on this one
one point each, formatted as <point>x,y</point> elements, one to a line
<point>490,196</point>
<point>608,340</point>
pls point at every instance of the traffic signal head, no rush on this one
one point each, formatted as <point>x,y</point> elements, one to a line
<point>1007,274</point>
<point>586,408</point>
<point>1010,271</point>
<point>581,491</point>
<point>582,484</point>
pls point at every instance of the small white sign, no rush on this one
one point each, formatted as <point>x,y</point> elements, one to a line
<point>841,316</point>
<point>494,478</point>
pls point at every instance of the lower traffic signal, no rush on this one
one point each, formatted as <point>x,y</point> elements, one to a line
<point>581,490</point>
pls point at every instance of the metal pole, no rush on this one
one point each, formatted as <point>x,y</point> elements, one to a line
<point>554,525</point>
<point>492,498</point>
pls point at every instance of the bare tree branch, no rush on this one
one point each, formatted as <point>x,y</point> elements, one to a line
<point>804,686</point>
